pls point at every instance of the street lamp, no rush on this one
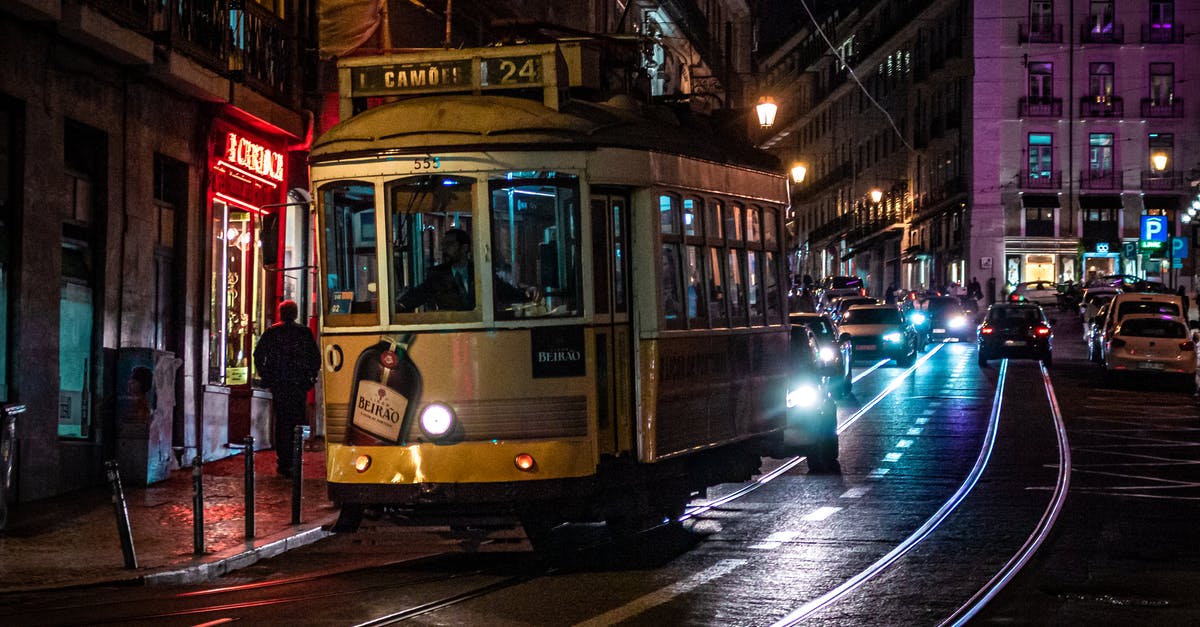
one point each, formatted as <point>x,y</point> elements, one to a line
<point>1159,161</point>
<point>766,110</point>
<point>798,172</point>
<point>876,195</point>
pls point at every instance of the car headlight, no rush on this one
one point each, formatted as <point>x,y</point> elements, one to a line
<point>436,420</point>
<point>917,318</point>
<point>826,354</point>
<point>803,396</point>
<point>958,322</point>
<point>892,337</point>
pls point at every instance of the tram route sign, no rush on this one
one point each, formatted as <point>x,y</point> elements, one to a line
<point>447,75</point>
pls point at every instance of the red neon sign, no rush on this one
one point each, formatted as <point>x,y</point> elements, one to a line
<point>255,158</point>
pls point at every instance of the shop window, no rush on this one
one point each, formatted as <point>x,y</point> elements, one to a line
<point>237,294</point>
<point>536,245</point>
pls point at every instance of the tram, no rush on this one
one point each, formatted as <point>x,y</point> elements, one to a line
<point>536,305</point>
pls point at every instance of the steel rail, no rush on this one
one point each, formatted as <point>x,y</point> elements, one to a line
<point>1061,487</point>
<point>922,532</point>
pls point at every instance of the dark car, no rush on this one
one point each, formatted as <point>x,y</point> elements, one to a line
<point>834,354</point>
<point>811,413</point>
<point>1015,329</point>
<point>945,319</point>
<point>880,331</point>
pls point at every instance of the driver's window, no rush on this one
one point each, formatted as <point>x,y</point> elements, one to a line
<point>535,245</point>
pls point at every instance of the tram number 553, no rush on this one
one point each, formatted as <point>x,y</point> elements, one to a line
<point>427,163</point>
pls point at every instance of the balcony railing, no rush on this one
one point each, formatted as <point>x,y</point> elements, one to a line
<point>1101,107</point>
<point>1153,108</point>
<point>1101,179</point>
<point>1162,180</point>
<point>136,15</point>
<point>1040,107</point>
<point>1041,180</point>
<point>837,226</point>
<point>1162,33</point>
<point>1040,34</point>
<point>1102,33</point>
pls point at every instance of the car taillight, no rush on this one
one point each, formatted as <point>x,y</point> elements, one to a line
<point>986,330</point>
<point>1187,346</point>
<point>1116,342</point>
<point>1042,331</point>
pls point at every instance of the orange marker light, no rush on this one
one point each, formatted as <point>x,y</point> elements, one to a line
<point>362,463</point>
<point>524,461</point>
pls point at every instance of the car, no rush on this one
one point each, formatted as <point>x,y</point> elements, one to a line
<point>1094,335</point>
<point>1044,293</point>
<point>1015,329</point>
<point>879,331</point>
<point>847,302</point>
<point>1093,299</point>
<point>811,428</point>
<point>1130,303</point>
<point>836,355</point>
<point>945,319</point>
<point>1151,344</point>
<point>834,286</point>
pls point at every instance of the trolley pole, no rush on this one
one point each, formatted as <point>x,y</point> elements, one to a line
<point>197,506</point>
<point>249,491</point>
<point>121,509</point>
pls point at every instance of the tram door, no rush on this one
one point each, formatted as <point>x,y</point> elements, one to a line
<point>613,337</point>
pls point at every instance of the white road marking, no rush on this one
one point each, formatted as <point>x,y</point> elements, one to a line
<point>914,431</point>
<point>775,540</point>
<point>904,443</point>
<point>662,595</point>
<point>878,472</point>
<point>922,421</point>
<point>821,513</point>
<point>893,457</point>
<point>855,493</point>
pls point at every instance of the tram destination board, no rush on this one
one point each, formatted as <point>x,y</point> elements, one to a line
<point>447,75</point>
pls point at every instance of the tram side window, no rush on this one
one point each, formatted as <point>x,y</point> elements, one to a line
<point>535,245</point>
<point>431,262</point>
<point>735,231</point>
<point>754,268</point>
<point>351,275</point>
<point>717,305</point>
<point>773,278</point>
<point>670,279</point>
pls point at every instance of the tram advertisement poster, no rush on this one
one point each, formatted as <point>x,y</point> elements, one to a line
<point>557,352</point>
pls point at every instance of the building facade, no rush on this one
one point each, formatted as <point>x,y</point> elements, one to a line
<point>1007,146</point>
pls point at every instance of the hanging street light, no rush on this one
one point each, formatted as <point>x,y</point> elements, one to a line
<point>876,195</point>
<point>766,110</point>
<point>1159,161</point>
<point>798,172</point>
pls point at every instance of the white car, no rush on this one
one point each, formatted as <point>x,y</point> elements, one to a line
<point>1154,344</point>
<point>1043,293</point>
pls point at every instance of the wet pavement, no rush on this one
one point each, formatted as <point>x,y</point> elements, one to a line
<point>75,540</point>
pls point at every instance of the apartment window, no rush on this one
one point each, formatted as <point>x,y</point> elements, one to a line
<point>1162,15</point>
<point>1041,16</point>
<point>1100,155</point>
<point>1100,82</point>
<point>1041,162</point>
<point>1100,17</point>
<point>1162,83</point>
<point>1041,82</point>
<point>1039,221</point>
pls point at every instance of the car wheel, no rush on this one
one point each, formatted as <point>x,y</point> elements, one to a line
<point>983,358</point>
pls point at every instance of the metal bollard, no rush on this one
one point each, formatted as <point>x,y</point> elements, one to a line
<point>297,469</point>
<point>197,506</point>
<point>249,486</point>
<point>121,509</point>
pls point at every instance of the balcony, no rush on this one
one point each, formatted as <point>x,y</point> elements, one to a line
<point>1162,33</point>
<point>1040,107</point>
<point>1102,33</point>
<point>1101,107</point>
<point>1041,180</point>
<point>836,227</point>
<point>1101,179</point>
<point>1162,180</point>
<point>1040,34</point>
<point>1156,108</point>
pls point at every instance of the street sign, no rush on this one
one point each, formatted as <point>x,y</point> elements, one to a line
<point>1129,250</point>
<point>1154,228</point>
<point>1179,248</point>
<point>1177,263</point>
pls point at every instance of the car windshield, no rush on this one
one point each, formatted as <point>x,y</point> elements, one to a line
<point>1147,307</point>
<point>1014,316</point>
<point>819,326</point>
<point>944,305</point>
<point>1153,327</point>
<point>873,316</point>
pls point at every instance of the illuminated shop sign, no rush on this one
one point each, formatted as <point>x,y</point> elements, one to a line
<point>253,157</point>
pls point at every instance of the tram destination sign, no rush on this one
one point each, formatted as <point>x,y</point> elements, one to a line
<point>447,75</point>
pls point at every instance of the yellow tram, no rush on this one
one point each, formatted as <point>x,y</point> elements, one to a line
<point>538,305</point>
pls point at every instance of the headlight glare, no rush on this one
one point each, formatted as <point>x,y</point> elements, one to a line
<point>918,318</point>
<point>827,355</point>
<point>958,322</point>
<point>436,420</point>
<point>803,396</point>
<point>892,337</point>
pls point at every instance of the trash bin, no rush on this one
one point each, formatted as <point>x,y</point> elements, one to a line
<point>8,451</point>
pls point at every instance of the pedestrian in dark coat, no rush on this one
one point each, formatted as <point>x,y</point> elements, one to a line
<point>288,361</point>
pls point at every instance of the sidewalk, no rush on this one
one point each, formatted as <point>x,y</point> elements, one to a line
<point>73,540</point>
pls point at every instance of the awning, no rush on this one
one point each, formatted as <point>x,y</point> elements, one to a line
<point>1100,201</point>
<point>1161,202</point>
<point>1039,200</point>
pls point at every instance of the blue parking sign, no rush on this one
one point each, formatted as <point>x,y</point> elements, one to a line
<point>1154,228</point>
<point>1179,247</point>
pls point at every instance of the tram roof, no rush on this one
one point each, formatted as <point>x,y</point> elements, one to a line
<point>435,123</point>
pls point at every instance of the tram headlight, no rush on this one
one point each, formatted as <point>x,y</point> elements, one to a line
<point>437,420</point>
<point>827,355</point>
<point>803,396</point>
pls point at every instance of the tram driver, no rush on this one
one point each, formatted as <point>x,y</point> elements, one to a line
<point>450,285</point>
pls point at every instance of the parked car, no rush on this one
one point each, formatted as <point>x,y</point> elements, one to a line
<point>1131,303</point>
<point>1151,344</point>
<point>1015,329</point>
<point>879,331</point>
<point>1044,293</point>
<point>834,354</point>
<point>834,286</point>
<point>946,319</point>
<point>1094,335</point>
<point>811,413</point>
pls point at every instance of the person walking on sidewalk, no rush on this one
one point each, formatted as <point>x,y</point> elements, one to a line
<point>288,361</point>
